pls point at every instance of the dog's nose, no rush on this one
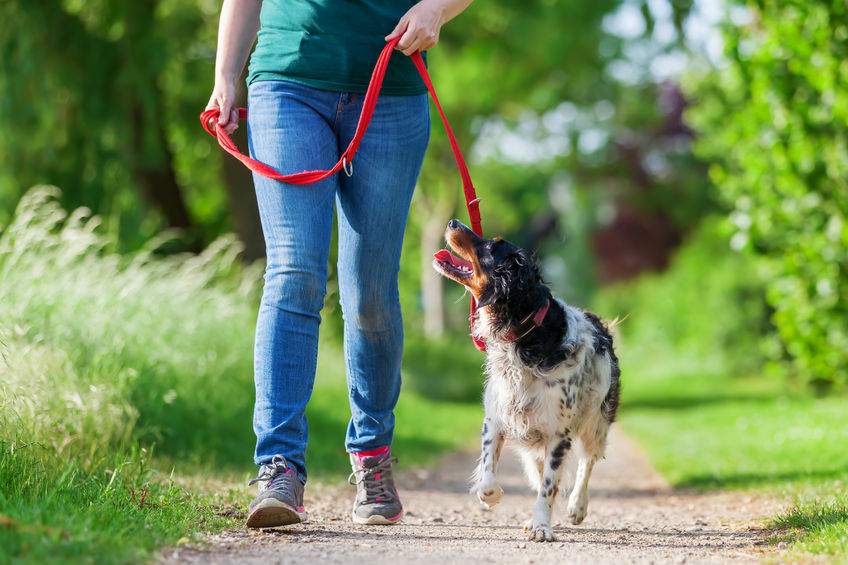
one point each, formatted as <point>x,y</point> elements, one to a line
<point>454,224</point>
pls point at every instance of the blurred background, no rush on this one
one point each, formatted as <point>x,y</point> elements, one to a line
<point>679,163</point>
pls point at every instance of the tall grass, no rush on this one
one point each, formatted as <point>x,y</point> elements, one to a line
<point>101,353</point>
<point>99,349</point>
<point>106,359</point>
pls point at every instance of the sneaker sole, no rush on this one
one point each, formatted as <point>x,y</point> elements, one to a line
<point>376,519</point>
<point>271,513</point>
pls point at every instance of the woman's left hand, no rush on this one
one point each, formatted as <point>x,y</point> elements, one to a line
<point>419,28</point>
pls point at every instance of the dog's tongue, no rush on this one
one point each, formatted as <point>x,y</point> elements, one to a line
<point>446,256</point>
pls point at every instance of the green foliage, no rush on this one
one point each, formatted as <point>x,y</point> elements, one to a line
<point>447,369</point>
<point>694,401</point>
<point>101,353</point>
<point>774,122</point>
<point>100,348</point>
<point>706,312</point>
<point>102,99</point>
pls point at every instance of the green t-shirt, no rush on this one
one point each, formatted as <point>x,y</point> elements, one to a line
<point>331,45</point>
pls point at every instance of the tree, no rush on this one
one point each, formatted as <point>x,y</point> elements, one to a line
<point>102,100</point>
<point>511,64</point>
<point>775,124</point>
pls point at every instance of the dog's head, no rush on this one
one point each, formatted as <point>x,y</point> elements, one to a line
<point>499,274</point>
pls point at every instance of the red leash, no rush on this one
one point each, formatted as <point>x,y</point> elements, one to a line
<point>373,92</point>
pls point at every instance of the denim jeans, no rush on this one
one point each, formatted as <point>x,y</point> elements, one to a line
<point>295,128</point>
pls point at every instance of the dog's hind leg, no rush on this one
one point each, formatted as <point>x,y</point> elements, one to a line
<point>555,455</point>
<point>594,442</point>
<point>534,467</point>
<point>485,485</point>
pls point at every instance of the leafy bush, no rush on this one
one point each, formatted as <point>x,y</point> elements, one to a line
<point>705,314</point>
<point>99,350</point>
<point>774,122</point>
<point>100,353</point>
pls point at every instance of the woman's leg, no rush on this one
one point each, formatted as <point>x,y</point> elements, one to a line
<point>289,130</point>
<point>373,205</point>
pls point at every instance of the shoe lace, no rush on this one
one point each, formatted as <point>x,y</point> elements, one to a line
<point>375,487</point>
<point>276,468</point>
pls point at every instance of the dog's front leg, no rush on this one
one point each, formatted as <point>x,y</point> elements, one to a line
<point>486,486</point>
<point>540,523</point>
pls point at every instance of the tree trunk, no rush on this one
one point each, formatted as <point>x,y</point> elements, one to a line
<point>435,214</point>
<point>431,284</point>
<point>157,181</point>
<point>240,192</point>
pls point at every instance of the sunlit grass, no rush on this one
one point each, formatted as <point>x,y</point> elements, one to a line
<point>695,398</point>
<point>117,510</point>
<point>710,431</point>
<point>816,524</point>
<point>103,356</point>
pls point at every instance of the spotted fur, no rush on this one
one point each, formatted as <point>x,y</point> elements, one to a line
<point>548,392</point>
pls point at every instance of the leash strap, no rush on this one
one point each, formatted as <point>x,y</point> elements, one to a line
<point>368,105</point>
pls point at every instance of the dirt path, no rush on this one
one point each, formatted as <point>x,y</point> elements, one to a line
<point>634,517</point>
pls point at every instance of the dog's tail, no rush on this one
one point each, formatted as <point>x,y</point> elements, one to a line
<point>615,322</point>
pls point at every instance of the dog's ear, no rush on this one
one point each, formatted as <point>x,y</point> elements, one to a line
<point>488,296</point>
<point>512,276</point>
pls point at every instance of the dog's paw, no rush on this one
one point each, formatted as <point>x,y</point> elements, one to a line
<point>541,532</point>
<point>577,509</point>
<point>489,494</point>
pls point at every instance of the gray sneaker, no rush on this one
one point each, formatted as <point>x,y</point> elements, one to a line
<point>377,500</point>
<point>280,500</point>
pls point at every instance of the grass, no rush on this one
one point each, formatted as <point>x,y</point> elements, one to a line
<point>58,511</point>
<point>126,382</point>
<point>693,335</point>
<point>711,431</point>
<point>816,527</point>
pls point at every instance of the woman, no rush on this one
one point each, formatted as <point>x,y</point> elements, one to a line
<point>306,84</point>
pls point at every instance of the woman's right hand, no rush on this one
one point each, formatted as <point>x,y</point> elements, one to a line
<point>224,99</point>
<point>236,32</point>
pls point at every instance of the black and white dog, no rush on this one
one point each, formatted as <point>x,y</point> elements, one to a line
<point>552,375</point>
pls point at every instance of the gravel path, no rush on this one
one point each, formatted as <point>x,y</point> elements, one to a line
<point>634,517</point>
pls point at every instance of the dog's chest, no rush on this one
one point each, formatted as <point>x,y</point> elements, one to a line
<point>533,409</point>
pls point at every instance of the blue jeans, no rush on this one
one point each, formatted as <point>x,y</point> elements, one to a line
<point>295,128</point>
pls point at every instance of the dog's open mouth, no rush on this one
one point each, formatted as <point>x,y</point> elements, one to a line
<point>452,264</point>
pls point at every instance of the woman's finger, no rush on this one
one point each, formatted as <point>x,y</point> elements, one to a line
<point>412,43</point>
<point>400,28</point>
<point>226,112</point>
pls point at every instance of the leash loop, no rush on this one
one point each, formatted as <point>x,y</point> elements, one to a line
<point>346,161</point>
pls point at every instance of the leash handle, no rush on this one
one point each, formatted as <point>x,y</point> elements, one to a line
<point>368,105</point>
<point>308,177</point>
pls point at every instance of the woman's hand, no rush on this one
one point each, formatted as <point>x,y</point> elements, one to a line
<point>224,99</point>
<point>236,31</point>
<point>419,28</point>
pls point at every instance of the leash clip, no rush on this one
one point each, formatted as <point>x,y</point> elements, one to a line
<point>345,163</point>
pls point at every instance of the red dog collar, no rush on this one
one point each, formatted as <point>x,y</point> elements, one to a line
<point>535,319</point>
